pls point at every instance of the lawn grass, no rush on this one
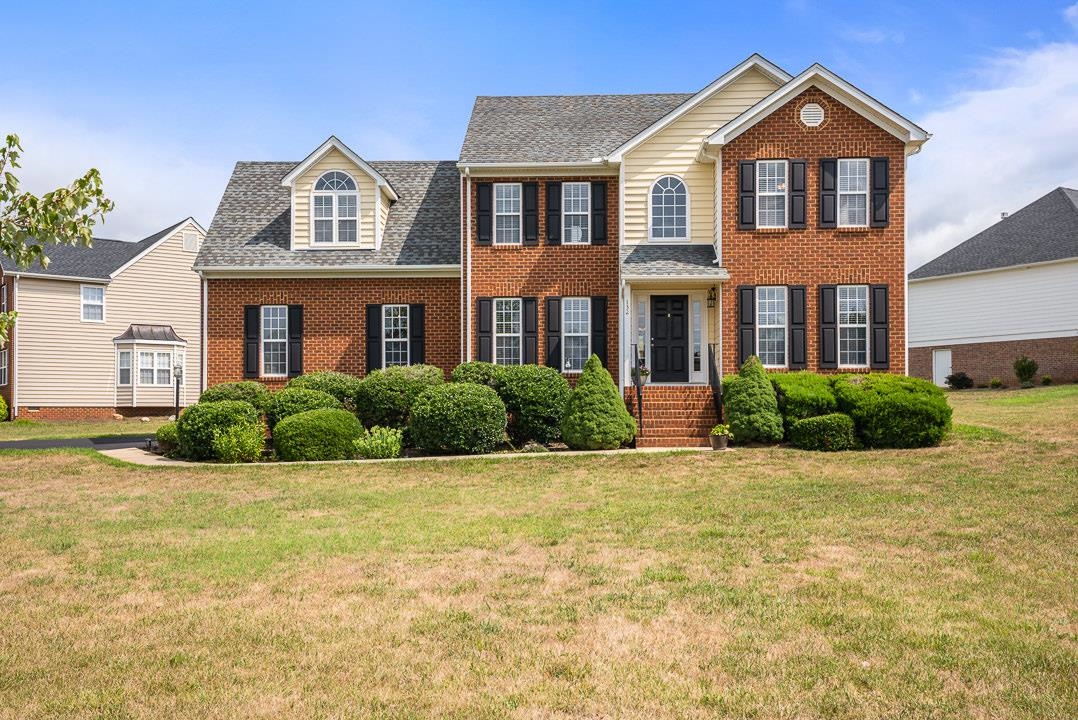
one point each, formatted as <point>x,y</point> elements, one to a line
<point>762,583</point>
<point>25,429</point>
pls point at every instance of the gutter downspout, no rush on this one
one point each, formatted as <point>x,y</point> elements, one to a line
<point>717,214</point>
<point>203,352</point>
<point>466,238</point>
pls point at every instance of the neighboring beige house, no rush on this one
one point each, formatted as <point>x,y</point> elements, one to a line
<point>103,329</point>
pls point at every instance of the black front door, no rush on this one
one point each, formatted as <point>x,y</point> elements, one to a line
<point>669,338</point>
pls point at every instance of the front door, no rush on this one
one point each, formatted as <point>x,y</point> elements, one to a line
<point>941,366</point>
<point>669,338</point>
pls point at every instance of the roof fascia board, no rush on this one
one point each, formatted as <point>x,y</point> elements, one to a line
<point>334,143</point>
<point>131,341</point>
<point>167,236</point>
<point>629,277</point>
<point>985,271</point>
<point>212,273</point>
<point>70,278</point>
<point>592,167</point>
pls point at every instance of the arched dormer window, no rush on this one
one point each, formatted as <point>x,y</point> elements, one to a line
<point>669,209</point>
<point>335,209</point>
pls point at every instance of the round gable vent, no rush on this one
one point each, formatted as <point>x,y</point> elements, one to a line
<point>812,115</point>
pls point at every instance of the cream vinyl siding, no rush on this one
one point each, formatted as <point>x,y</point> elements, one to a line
<point>673,151</point>
<point>365,184</point>
<point>68,363</point>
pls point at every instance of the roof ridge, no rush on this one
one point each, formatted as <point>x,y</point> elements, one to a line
<point>586,95</point>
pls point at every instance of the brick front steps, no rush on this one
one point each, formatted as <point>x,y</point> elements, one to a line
<point>674,415</point>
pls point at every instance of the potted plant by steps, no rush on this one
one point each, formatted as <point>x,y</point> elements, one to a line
<point>642,373</point>
<point>720,437</point>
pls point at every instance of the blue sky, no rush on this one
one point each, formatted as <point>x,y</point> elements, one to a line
<point>165,97</point>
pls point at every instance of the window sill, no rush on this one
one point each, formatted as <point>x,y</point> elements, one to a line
<point>94,322</point>
<point>669,241</point>
<point>340,246</point>
<point>853,229</point>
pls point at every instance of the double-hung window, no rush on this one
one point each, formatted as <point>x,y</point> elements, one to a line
<point>93,303</point>
<point>771,326</point>
<point>123,368</point>
<point>507,220</point>
<point>576,213</point>
<point>853,193</point>
<point>771,193</point>
<point>394,335</point>
<point>274,340</point>
<point>3,367</point>
<point>154,368</point>
<point>575,333</point>
<point>853,325</point>
<point>335,203</point>
<point>507,323</point>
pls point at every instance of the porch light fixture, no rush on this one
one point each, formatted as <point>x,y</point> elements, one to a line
<point>711,297</point>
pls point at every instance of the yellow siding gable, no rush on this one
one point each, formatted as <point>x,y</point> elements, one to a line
<point>371,219</point>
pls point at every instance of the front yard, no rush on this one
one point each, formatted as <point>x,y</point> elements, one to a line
<point>756,583</point>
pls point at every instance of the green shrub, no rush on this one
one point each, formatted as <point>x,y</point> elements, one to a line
<point>750,405</point>
<point>802,395</point>
<point>831,432</point>
<point>324,434</point>
<point>3,410</point>
<point>1046,380</point>
<point>340,385</point>
<point>168,438</point>
<point>240,443</point>
<point>248,391</point>
<point>995,383</point>
<point>200,423</point>
<point>294,400</point>
<point>892,411</point>
<point>534,397</point>
<point>459,418</point>
<point>478,372</point>
<point>1024,369</point>
<point>959,381</point>
<point>380,443</point>
<point>385,397</point>
<point>595,416</point>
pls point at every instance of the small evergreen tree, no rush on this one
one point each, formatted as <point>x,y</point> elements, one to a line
<point>595,416</point>
<point>752,409</point>
<point>1024,369</point>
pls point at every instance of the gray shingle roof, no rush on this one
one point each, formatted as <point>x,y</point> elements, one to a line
<point>253,221</point>
<point>660,260</point>
<point>1044,230</point>
<point>559,128</point>
<point>97,262</point>
<point>156,333</point>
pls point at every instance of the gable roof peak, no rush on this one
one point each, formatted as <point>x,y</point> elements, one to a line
<point>335,143</point>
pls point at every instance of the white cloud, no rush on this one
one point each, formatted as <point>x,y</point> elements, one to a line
<point>995,149</point>
<point>1070,14</point>
<point>871,36</point>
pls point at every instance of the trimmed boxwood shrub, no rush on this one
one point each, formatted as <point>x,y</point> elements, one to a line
<point>892,411</point>
<point>479,372</point>
<point>3,410</point>
<point>168,437</point>
<point>248,391</point>
<point>750,405</point>
<point>385,397</point>
<point>240,443</point>
<point>340,385</point>
<point>200,423</point>
<point>802,395</point>
<point>534,397</point>
<point>458,418</point>
<point>324,434</point>
<point>294,400</point>
<point>595,416</point>
<point>831,432</point>
<point>380,443</point>
<point>959,381</point>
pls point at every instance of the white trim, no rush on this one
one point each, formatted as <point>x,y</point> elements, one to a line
<point>378,229</point>
<point>691,296</point>
<point>561,361</point>
<point>83,303</point>
<point>838,191</point>
<point>307,271</point>
<point>785,326</point>
<point>1015,337</point>
<point>660,279</point>
<point>335,218</point>
<point>1024,266</point>
<point>407,333</point>
<point>261,342</point>
<point>867,326</point>
<point>15,353</point>
<point>172,343</point>
<point>68,278</point>
<point>168,233</point>
<point>130,368</point>
<point>587,212</point>
<point>205,334</point>
<point>5,368</point>
<point>466,239</point>
<point>494,334</point>
<point>333,143</point>
<point>494,214</point>
<point>785,194</point>
<point>688,213</point>
<point>154,368</point>
<point>586,167</point>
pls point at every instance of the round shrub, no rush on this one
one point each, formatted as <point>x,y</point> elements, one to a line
<point>240,443</point>
<point>248,391</point>
<point>595,415</point>
<point>831,433</point>
<point>534,397</point>
<point>168,437</point>
<point>3,410</point>
<point>200,423</point>
<point>750,405</point>
<point>459,418</point>
<point>380,443</point>
<point>294,400</point>
<point>959,381</point>
<point>892,411</point>
<point>385,397</point>
<point>340,385</point>
<point>324,434</point>
<point>478,372</point>
<point>802,395</point>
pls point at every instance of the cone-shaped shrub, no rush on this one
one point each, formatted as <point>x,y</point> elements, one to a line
<point>752,410</point>
<point>595,416</point>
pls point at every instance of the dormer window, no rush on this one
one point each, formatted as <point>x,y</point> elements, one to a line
<point>335,204</point>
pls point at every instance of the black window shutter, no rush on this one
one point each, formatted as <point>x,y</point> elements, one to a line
<point>251,318</point>
<point>798,358</point>
<point>374,337</point>
<point>880,342</point>
<point>484,329</point>
<point>746,322</point>
<point>746,196</point>
<point>530,206</point>
<point>828,193</point>
<point>529,308</point>
<point>295,340</point>
<point>483,212</point>
<point>598,213</point>
<point>417,329</point>
<point>553,213</point>
<point>881,192</point>
<point>598,327</point>
<point>798,190</point>
<point>828,326</point>
<point>553,332</point>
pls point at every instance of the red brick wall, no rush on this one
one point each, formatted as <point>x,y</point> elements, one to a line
<point>1057,357</point>
<point>550,270</point>
<point>29,412</point>
<point>334,319</point>
<point>814,256</point>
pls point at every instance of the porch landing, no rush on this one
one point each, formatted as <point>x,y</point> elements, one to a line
<point>674,415</point>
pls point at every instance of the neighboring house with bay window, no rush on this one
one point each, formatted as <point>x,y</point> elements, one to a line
<point>101,329</point>
<point>685,232</point>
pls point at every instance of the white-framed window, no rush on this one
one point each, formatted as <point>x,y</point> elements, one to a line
<point>853,325</point>
<point>575,333</point>
<point>697,359</point>
<point>771,193</point>
<point>669,209</point>
<point>395,335</point>
<point>853,192</point>
<point>274,340</point>
<point>3,297</point>
<point>3,367</point>
<point>576,213</point>
<point>507,213</point>
<point>123,367</point>
<point>155,367</point>
<point>507,324</point>
<point>335,209</point>
<point>93,303</point>
<point>771,325</point>
<point>190,242</point>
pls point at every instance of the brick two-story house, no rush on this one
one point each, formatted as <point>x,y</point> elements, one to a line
<point>761,215</point>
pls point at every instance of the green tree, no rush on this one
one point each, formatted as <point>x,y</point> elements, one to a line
<point>595,416</point>
<point>28,223</point>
